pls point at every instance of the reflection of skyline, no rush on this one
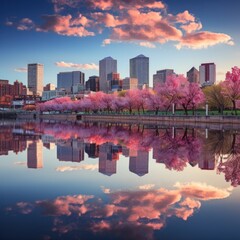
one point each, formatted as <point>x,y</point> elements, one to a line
<point>70,151</point>
<point>108,143</point>
<point>139,211</point>
<point>138,162</point>
<point>35,155</point>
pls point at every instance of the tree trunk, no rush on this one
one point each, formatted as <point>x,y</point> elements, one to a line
<point>234,106</point>
<point>185,109</point>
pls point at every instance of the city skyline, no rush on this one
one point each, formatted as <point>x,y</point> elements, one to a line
<point>64,37</point>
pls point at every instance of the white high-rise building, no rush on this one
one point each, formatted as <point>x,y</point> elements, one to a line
<point>139,68</point>
<point>106,66</point>
<point>35,78</point>
<point>207,74</point>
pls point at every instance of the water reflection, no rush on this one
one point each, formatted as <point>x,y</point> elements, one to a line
<point>174,147</point>
<point>136,213</point>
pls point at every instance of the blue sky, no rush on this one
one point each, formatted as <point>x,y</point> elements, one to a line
<point>69,35</point>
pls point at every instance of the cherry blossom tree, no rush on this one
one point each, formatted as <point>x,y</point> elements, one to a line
<point>191,96</point>
<point>96,101</point>
<point>130,102</point>
<point>231,86</point>
<point>171,90</point>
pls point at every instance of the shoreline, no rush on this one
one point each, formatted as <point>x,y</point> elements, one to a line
<point>216,122</point>
<point>220,122</point>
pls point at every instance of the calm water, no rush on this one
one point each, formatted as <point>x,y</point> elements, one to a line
<point>83,181</point>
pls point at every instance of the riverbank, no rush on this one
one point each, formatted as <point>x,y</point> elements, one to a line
<point>219,122</point>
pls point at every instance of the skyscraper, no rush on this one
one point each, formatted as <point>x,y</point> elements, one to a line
<point>139,68</point>
<point>35,78</point>
<point>193,75</point>
<point>129,83</point>
<point>161,76</point>
<point>67,80</point>
<point>106,66</point>
<point>207,74</point>
<point>92,84</point>
<point>114,82</point>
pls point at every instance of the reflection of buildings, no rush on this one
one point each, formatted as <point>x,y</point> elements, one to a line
<point>35,155</point>
<point>138,162</point>
<point>71,151</point>
<point>11,140</point>
<point>108,154</point>
<point>92,149</point>
<point>206,160</point>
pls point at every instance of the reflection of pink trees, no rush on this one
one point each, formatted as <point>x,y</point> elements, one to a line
<point>176,151</point>
<point>231,166</point>
<point>231,169</point>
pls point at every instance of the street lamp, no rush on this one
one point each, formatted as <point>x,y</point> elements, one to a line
<point>173,109</point>
<point>206,108</point>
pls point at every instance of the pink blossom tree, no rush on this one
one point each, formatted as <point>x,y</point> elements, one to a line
<point>96,101</point>
<point>154,102</point>
<point>171,90</point>
<point>191,96</point>
<point>119,104</point>
<point>231,86</point>
<point>108,102</point>
<point>130,102</point>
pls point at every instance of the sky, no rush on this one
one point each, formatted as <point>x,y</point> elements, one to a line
<point>73,35</point>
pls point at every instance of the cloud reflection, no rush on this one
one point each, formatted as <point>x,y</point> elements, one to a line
<point>90,167</point>
<point>139,212</point>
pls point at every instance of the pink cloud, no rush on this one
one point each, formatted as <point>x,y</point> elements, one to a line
<point>203,40</point>
<point>85,66</point>
<point>65,25</point>
<point>192,27</point>
<point>185,17</point>
<point>140,22</point>
<point>59,5</point>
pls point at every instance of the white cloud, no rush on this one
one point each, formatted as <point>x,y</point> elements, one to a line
<point>21,69</point>
<point>85,66</point>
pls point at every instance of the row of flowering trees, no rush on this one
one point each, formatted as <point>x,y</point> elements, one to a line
<point>176,91</point>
